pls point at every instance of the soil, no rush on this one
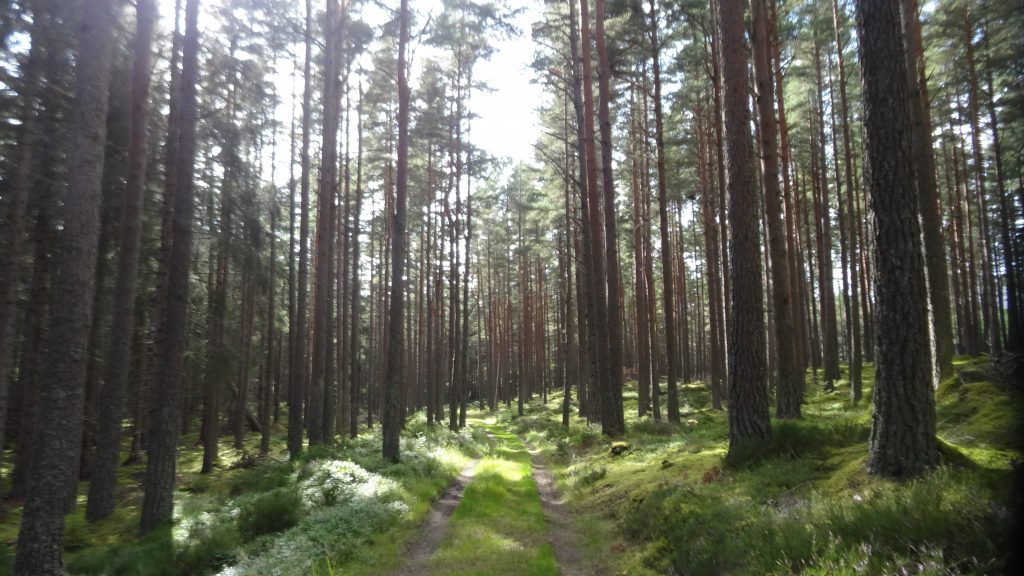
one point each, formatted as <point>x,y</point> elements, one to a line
<point>432,531</point>
<point>563,536</point>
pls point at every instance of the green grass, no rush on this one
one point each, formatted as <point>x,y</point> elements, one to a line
<point>802,502</point>
<point>270,515</point>
<point>668,502</point>
<point>499,526</point>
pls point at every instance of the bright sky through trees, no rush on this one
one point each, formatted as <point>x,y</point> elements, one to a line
<point>506,123</point>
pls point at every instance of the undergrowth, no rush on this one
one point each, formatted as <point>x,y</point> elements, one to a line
<point>670,503</point>
<point>328,507</point>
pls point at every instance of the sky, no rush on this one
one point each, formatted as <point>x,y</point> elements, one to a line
<point>507,123</point>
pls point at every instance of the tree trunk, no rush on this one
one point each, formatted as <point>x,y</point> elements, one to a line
<point>266,396</point>
<point>18,195</point>
<point>989,298</point>
<point>790,379</point>
<point>1015,332</point>
<point>792,222</point>
<point>643,331</point>
<point>299,367</point>
<point>612,419</point>
<point>666,252</point>
<point>826,290</point>
<point>599,289</point>
<point>748,393</point>
<point>849,220</point>
<point>316,429</point>
<point>61,386</point>
<point>928,191</point>
<point>44,237</point>
<point>354,356</point>
<point>158,504</point>
<point>393,381</point>
<point>903,431</point>
<point>103,485</point>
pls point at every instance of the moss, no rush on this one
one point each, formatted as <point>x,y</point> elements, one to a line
<point>802,502</point>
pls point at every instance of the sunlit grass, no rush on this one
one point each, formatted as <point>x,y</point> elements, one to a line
<point>800,503</point>
<point>239,513</point>
<point>499,526</point>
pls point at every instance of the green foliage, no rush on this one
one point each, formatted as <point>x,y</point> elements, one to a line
<point>499,526</point>
<point>589,475</point>
<point>797,438</point>
<point>651,427</point>
<point>259,479</point>
<point>152,555</point>
<point>943,512</point>
<point>332,532</point>
<point>198,485</point>
<point>980,413</point>
<point>803,501</point>
<point>210,546</point>
<point>272,511</point>
<point>257,520</point>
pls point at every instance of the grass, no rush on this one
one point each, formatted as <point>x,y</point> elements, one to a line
<point>801,503</point>
<point>663,499</point>
<point>499,526</point>
<point>340,504</point>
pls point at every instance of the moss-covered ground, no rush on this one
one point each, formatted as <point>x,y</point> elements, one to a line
<point>803,503</point>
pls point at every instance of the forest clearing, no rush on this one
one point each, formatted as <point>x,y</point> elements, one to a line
<point>503,287</point>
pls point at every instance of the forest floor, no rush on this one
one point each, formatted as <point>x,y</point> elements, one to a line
<point>666,501</point>
<point>524,495</point>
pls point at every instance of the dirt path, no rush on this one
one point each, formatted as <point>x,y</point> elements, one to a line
<point>562,535</point>
<point>565,540</point>
<point>419,550</point>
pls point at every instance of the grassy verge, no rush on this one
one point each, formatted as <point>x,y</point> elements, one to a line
<point>341,505</point>
<point>669,503</point>
<point>499,526</point>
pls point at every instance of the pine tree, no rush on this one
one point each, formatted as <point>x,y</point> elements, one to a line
<point>903,428</point>
<point>62,382</point>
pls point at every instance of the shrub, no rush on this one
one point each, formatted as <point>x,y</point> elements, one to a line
<point>272,511</point>
<point>198,485</point>
<point>705,530</point>
<point>260,479</point>
<point>650,427</point>
<point>590,475</point>
<point>797,438</point>
<point>364,503</point>
<point>152,555</point>
<point>328,482</point>
<point>211,546</point>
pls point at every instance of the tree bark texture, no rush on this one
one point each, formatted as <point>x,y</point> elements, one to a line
<point>903,424</point>
<point>748,392</point>
<point>158,504</point>
<point>103,484</point>
<point>61,386</point>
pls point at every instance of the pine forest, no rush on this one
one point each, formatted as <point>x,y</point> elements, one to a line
<point>511,287</point>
